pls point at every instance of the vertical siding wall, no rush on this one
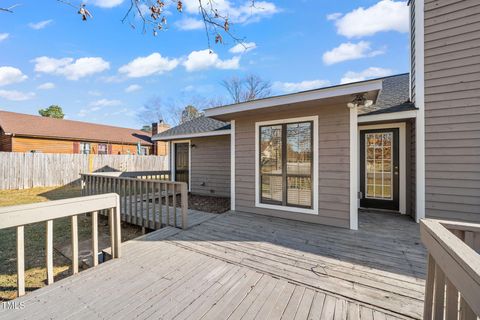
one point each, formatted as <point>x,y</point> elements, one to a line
<point>211,166</point>
<point>452,109</point>
<point>334,159</point>
<point>412,50</point>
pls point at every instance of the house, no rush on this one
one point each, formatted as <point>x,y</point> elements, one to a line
<point>408,144</point>
<point>291,156</point>
<point>28,133</point>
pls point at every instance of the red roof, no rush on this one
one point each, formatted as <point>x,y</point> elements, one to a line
<point>36,126</point>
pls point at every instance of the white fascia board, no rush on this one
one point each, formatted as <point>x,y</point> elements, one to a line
<point>193,135</point>
<point>312,95</point>
<point>388,116</point>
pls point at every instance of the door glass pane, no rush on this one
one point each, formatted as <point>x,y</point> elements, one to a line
<point>271,149</point>
<point>378,165</point>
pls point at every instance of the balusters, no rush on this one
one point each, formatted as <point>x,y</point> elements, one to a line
<point>184,205</point>
<point>95,238</point>
<point>130,201</point>
<point>75,244</point>
<point>160,205</point>
<point>147,203</point>
<point>154,205</point>
<point>20,261</point>
<point>174,203</point>
<point>167,206</point>
<point>49,251</point>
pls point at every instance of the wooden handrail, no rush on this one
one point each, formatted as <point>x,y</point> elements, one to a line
<point>19,216</point>
<point>139,196</point>
<point>453,279</point>
<point>163,175</point>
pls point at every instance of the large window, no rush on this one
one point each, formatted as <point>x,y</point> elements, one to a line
<point>286,164</point>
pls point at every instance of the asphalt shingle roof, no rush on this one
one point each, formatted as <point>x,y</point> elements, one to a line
<point>198,125</point>
<point>394,96</point>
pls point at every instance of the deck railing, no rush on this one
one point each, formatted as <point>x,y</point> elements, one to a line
<point>453,279</point>
<point>163,175</point>
<point>145,202</point>
<point>19,216</point>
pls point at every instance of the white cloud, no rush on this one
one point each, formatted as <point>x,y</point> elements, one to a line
<point>132,88</point>
<point>70,68</point>
<point>107,3</point>
<point>4,36</point>
<point>334,16</point>
<point>40,25</point>
<point>350,51</point>
<point>369,73</point>
<point>206,59</point>
<point>190,24</point>
<point>149,65</point>
<point>241,14</point>
<point>243,47</point>
<point>386,15</point>
<point>14,95</point>
<point>9,75</point>
<point>300,86</point>
<point>105,103</point>
<point>46,86</point>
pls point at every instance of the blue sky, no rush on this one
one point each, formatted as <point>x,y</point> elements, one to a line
<point>103,71</point>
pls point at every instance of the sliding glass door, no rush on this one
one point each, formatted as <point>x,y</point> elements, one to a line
<point>286,164</point>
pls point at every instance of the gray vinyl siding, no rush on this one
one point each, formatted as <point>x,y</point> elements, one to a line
<point>452,109</point>
<point>412,50</point>
<point>333,155</point>
<point>210,161</point>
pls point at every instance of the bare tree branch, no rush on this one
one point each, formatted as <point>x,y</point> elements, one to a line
<point>9,9</point>
<point>153,14</point>
<point>246,89</point>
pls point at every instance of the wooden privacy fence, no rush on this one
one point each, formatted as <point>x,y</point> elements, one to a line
<point>29,170</point>
<point>145,202</point>
<point>19,216</point>
<point>453,278</point>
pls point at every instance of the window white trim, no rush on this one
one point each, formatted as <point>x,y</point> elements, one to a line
<point>402,159</point>
<point>354,176</point>
<point>172,159</point>
<point>420,104</point>
<point>258,204</point>
<point>388,116</point>
<point>193,135</point>
<point>317,94</point>
<point>232,165</point>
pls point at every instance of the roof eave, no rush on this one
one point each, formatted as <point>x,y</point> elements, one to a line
<point>312,95</point>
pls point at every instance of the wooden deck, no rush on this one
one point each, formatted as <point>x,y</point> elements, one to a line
<point>242,266</point>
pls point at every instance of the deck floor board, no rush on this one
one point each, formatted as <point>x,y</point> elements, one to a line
<point>243,266</point>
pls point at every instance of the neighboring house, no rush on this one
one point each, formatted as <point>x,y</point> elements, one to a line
<point>408,144</point>
<point>28,133</point>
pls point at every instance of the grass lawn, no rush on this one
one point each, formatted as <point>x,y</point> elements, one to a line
<point>35,272</point>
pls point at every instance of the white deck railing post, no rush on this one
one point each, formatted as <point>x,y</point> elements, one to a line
<point>45,212</point>
<point>453,275</point>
